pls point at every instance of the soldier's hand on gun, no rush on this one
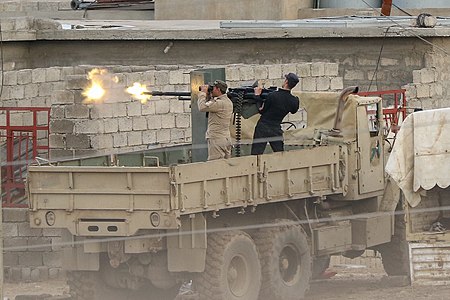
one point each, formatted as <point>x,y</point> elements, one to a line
<point>258,90</point>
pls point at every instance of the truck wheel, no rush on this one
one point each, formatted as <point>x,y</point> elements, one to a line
<point>319,265</point>
<point>285,261</point>
<point>395,254</point>
<point>88,285</point>
<point>232,270</point>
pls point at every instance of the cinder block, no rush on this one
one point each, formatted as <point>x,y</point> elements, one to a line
<point>139,123</point>
<point>16,274</point>
<point>53,273</point>
<point>62,97</point>
<point>53,74</point>
<point>275,71</point>
<point>18,92</point>
<point>34,276</point>
<point>77,141</point>
<point>261,72</point>
<point>15,214</point>
<point>182,121</point>
<point>163,136</point>
<point>26,274</point>
<point>161,78</point>
<point>111,125</point>
<point>38,75</point>
<point>154,121</point>
<point>76,82</point>
<point>120,139</point>
<point>48,6</point>
<point>102,141</point>
<point>77,111</point>
<point>148,77</point>
<point>168,121</point>
<point>10,259</point>
<point>15,244</point>
<point>134,138</point>
<point>162,107</point>
<point>232,73</point>
<point>46,89</point>
<point>63,126</point>
<point>61,154</point>
<point>31,90</point>
<point>423,90</point>
<point>7,24</point>
<point>337,83</point>
<point>176,106</point>
<point>331,69</point>
<point>43,273</point>
<point>29,6</point>
<point>52,259</point>
<point>89,126</point>
<point>57,243</point>
<point>309,84</point>
<point>134,109</point>
<point>57,112</point>
<point>23,76</point>
<point>131,78</point>
<point>125,124</point>
<point>246,73</point>
<point>119,109</point>
<point>323,83</point>
<point>288,68</point>
<point>428,75</point>
<point>176,77</point>
<point>30,259</point>
<point>177,135</point>
<point>318,69</point>
<point>26,230</point>
<point>149,137</point>
<point>10,229</point>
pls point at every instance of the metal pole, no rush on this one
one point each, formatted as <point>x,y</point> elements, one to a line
<point>386,8</point>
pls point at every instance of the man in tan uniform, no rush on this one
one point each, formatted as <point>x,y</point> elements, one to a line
<point>220,109</point>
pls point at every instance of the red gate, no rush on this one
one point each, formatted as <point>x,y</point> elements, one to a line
<point>21,144</point>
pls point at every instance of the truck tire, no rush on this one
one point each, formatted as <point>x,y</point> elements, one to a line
<point>232,270</point>
<point>285,261</point>
<point>395,254</point>
<point>88,285</point>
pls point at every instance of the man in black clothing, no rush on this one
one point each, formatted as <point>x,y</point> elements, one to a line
<point>277,105</point>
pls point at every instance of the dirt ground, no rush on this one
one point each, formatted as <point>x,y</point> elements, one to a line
<point>350,282</point>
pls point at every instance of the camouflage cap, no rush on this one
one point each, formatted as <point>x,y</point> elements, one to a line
<point>221,85</point>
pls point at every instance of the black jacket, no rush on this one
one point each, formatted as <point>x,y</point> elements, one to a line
<point>277,105</point>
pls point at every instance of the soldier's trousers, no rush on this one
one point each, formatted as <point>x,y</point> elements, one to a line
<point>267,133</point>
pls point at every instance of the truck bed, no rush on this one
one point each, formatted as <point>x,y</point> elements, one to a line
<point>118,201</point>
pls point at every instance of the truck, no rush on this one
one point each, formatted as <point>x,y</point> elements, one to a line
<point>138,225</point>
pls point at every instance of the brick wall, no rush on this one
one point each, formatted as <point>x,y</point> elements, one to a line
<point>34,5</point>
<point>29,254</point>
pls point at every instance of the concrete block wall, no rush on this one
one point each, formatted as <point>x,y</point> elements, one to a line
<point>34,5</point>
<point>29,254</point>
<point>122,124</point>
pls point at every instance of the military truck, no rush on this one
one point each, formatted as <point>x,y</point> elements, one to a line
<point>248,227</point>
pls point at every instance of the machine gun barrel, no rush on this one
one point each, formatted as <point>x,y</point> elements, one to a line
<point>159,93</point>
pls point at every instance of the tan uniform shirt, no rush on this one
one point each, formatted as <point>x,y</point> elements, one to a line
<point>220,115</point>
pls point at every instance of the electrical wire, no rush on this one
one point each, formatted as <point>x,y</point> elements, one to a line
<point>375,73</point>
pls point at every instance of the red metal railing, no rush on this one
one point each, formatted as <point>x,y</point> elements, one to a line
<point>395,114</point>
<point>22,144</point>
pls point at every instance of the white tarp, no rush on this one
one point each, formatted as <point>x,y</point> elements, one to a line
<point>420,158</point>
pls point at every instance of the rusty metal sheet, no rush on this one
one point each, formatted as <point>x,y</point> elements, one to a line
<point>430,263</point>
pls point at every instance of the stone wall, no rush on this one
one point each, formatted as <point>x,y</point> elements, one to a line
<point>29,254</point>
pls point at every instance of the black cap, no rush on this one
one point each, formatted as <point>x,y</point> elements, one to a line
<point>292,79</point>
